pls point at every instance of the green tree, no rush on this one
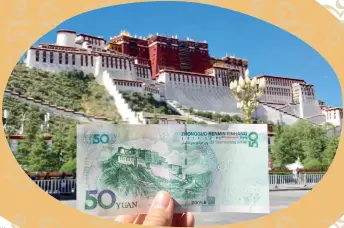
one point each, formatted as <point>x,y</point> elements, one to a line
<point>330,151</point>
<point>277,129</point>
<point>189,121</point>
<point>217,117</point>
<point>33,120</point>
<point>41,158</point>
<point>315,144</point>
<point>69,166</point>
<point>71,144</point>
<point>286,148</point>
<point>59,145</point>
<point>237,119</point>
<point>31,128</point>
<point>155,120</point>
<point>313,164</point>
<point>23,151</point>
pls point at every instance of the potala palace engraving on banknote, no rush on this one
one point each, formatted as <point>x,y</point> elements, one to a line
<point>206,168</point>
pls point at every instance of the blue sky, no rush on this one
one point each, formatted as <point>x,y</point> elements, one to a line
<point>270,50</point>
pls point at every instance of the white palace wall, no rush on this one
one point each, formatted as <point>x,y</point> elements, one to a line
<point>267,113</point>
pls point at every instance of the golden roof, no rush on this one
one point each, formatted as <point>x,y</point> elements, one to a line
<point>124,33</point>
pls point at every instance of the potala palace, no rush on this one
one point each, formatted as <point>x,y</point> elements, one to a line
<point>179,72</point>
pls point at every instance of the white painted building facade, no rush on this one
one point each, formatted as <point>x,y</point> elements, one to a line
<point>203,92</point>
<point>333,115</point>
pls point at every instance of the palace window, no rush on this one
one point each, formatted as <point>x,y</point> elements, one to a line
<point>103,61</point>
<point>334,115</point>
<point>86,60</point>
<point>107,62</point>
<point>73,59</point>
<point>120,63</point>
<point>111,62</point>
<point>37,55</point>
<point>125,63</point>
<point>82,60</point>
<point>44,56</point>
<point>66,58</point>
<point>60,58</point>
<point>91,60</point>
<point>51,57</point>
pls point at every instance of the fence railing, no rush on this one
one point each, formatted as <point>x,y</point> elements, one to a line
<point>57,186</point>
<point>68,186</point>
<point>302,180</point>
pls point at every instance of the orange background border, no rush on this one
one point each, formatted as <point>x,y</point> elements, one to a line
<point>24,21</point>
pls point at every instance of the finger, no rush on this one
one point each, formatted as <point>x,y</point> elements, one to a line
<point>140,219</point>
<point>125,218</point>
<point>176,219</point>
<point>161,211</point>
<point>187,220</point>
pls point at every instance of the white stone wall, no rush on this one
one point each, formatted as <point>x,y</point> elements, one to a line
<point>98,68</point>
<point>278,90</point>
<point>122,107</point>
<point>123,71</point>
<point>189,81</point>
<point>333,116</point>
<point>56,66</point>
<point>66,39</point>
<point>318,119</point>
<point>99,44</point>
<point>267,113</point>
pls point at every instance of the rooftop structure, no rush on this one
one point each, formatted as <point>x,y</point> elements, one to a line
<point>176,70</point>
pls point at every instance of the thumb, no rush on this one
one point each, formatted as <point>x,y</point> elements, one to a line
<point>161,211</point>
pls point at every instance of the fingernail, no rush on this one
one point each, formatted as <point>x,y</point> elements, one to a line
<point>161,200</point>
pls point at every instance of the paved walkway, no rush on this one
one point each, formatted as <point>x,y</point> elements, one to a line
<point>291,187</point>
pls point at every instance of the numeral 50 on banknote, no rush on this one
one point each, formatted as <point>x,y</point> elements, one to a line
<point>93,199</point>
<point>99,138</point>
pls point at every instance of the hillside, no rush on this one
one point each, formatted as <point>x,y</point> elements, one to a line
<point>16,112</point>
<point>63,132</point>
<point>139,181</point>
<point>72,90</point>
<point>146,103</point>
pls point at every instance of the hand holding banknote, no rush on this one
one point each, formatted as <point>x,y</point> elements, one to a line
<point>213,168</point>
<point>160,214</point>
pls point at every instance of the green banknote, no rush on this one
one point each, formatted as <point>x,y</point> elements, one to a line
<point>206,168</point>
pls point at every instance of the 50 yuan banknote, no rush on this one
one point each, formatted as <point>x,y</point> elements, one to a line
<point>206,168</point>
